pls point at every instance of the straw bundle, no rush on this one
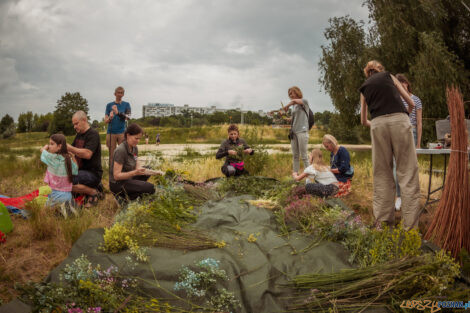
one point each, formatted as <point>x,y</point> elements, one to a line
<point>450,225</point>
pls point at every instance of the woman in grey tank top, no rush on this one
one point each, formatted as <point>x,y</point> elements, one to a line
<point>299,130</point>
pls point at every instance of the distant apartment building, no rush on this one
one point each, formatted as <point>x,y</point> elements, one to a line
<point>168,109</point>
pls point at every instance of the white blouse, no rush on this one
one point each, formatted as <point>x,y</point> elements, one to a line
<point>323,177</point>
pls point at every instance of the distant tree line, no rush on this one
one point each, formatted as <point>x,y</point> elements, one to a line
<point>426,40</point>
<point>69,103</point>
<point>59,121</point>
<point>188,119</point>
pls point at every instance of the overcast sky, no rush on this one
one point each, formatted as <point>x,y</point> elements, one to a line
<point>207,52</point>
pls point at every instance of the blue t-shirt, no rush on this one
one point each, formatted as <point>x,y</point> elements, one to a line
<point>341,161</point>
<point>118,124</point>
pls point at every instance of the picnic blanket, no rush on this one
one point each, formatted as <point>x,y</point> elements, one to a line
<point>16,205</point>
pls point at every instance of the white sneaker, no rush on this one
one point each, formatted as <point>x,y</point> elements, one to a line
<point>398,204</point>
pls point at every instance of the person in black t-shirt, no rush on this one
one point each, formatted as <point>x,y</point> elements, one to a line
<point>87,150</point>
<point>392,137</point>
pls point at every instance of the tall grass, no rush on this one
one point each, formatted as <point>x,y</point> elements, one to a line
<point>20,175</point>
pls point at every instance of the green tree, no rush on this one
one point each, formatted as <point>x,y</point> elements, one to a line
<point>7,126</point>
<point>66,106</point>
<point>43,122</point>
<point>427,40</point>
<point>341,66</point>
<point>25,122</point>
<point>323,118</point>
<point>6,122</point>
<point>22,128</point>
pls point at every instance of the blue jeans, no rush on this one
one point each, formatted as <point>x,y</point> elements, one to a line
<point>86,178</point>
<point>59,197</point>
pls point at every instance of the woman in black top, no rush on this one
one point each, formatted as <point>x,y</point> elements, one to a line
<point>391,135</point>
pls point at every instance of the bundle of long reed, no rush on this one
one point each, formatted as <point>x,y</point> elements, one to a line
<point>450,225</point>
<point>383,285</point>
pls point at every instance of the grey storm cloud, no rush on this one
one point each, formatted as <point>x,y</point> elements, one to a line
<point>228,53</point>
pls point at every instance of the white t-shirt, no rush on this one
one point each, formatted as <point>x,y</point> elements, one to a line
<point>323,177</point>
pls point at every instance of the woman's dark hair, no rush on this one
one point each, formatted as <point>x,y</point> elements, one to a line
<point>59,139</point>
<point>133,130</point>
<point>402,79</point>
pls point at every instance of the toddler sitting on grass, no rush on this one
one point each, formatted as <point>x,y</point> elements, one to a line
<point>233,148</point>
<point>321,182</point>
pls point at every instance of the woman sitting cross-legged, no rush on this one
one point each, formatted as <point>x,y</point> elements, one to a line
<point>127,178</point>
<point>321,182</point>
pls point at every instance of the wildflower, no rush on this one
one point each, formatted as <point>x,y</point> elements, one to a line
<point>251,238</point>
<point>220,244</point>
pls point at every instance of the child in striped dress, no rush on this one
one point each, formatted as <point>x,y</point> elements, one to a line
<point>60,168</point>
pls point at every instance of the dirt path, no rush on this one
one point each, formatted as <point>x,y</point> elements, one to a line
<point>178,149</point>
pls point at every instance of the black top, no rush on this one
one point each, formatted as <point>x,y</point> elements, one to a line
<point>89,140</point>
<point>382,96</point>
<point>126,157</point>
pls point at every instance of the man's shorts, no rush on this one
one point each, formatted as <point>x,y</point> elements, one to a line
<point>86,178</point>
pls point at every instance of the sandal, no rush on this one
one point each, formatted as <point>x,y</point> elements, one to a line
<point>92,200</point>
<point>100,195</point>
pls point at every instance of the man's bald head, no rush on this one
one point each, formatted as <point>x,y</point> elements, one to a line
<point>80,122</point>
<point>80,115</point>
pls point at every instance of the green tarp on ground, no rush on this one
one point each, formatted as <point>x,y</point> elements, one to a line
<point>256,270</point>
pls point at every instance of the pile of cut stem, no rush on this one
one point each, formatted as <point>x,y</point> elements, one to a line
<point>359,289</point>
<point>450,225</point>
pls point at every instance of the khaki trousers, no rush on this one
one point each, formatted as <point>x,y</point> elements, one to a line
<point>392,137</point>
<point>112,141</point>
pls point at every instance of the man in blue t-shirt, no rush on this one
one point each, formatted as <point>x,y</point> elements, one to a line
<point>116,114</point>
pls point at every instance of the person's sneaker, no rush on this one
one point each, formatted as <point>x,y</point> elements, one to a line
<point>398,204</point>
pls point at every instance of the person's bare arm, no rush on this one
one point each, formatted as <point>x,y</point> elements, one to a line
<point>46,147</point>
<point>419,127</point>
<point>119,175</point>
<point>108,118</point>
<point>404,94</point>
<point>298,177</point>
<point>293,102</point>
<point>82,153</point>
<point>364,120</point>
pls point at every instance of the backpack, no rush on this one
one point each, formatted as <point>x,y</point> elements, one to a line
<point>311,119</point>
